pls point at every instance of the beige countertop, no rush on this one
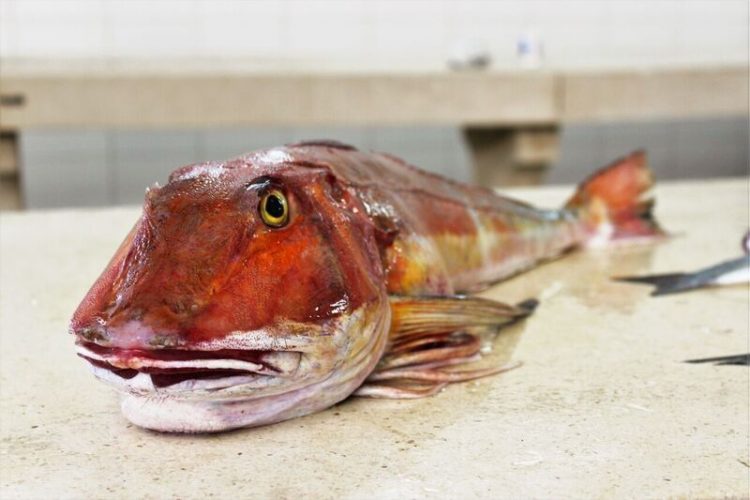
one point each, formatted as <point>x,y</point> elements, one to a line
<point>602,407</point>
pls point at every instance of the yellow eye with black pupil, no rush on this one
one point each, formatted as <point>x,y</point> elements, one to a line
<point>273,208</point>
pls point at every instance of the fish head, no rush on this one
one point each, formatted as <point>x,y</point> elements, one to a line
<point>245,294</point>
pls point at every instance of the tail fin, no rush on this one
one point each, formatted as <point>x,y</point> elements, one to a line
<point>615,201</point>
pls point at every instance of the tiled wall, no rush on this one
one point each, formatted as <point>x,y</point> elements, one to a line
<point>78,168</point>
<point>83,168</point>
<point>578,32</point>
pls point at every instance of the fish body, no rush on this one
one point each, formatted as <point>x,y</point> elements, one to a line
<point>278,283</point>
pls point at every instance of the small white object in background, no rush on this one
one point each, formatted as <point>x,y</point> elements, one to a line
<point>467,54</point>
<point>530,50</point>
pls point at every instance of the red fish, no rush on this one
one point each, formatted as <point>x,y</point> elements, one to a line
<point>279,283</point>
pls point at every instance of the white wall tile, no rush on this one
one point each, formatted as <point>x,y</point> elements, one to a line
<point>74,168</point>
<point>80,168</point>
<point>355,136</point>
<point>59,28</point>
<point>718,150</point>
<point>324,29</point>
<point>571,33</point>
<point>236,28</point>
<point>581,152</point>
<point>158,28</point>
<point>140,158</point>
<point>714,31</point>
<point>225,143</point>
<point>8,28</point>
<point>642,31</point>
<point>675,149</point>
<point>578,32</point>
<point>62,169</point>
<point>409,30</point>
<point>495,26</point>
<point>430,148</point>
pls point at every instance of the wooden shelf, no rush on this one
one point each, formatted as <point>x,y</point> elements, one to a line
<point>511,116</point>
<point>182,94</point>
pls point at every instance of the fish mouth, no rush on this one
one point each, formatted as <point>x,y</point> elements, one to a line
<point>245,378</point>
<point>177,370</point>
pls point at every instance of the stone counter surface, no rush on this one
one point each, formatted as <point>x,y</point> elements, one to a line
<point>602,407</point>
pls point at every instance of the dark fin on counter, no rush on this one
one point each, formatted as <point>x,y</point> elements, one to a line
<point>709,276</point>
<point>737,360</point>
<point>664,283</point>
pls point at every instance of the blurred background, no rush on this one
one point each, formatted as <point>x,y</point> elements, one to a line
<point>101,98</point>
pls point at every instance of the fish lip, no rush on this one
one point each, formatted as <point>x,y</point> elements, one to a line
<point>304,356</point>
<point>140,363</point>
<point>143,384</point>
<point>240,358</point>
<point>126,364</point>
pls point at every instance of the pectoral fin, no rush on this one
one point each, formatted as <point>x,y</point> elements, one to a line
<point>411,316</point>
<point>431,337</point>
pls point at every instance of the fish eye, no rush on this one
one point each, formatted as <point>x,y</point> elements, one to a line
<point>274,209</point>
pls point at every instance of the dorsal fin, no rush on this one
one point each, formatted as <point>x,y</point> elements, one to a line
<point>326,143</point>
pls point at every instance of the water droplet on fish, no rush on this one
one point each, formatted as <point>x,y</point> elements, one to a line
<point>340,306</point>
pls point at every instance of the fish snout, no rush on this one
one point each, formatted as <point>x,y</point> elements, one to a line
<point>128,334</point>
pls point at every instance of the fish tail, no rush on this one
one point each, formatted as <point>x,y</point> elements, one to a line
<point>615,202</point>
